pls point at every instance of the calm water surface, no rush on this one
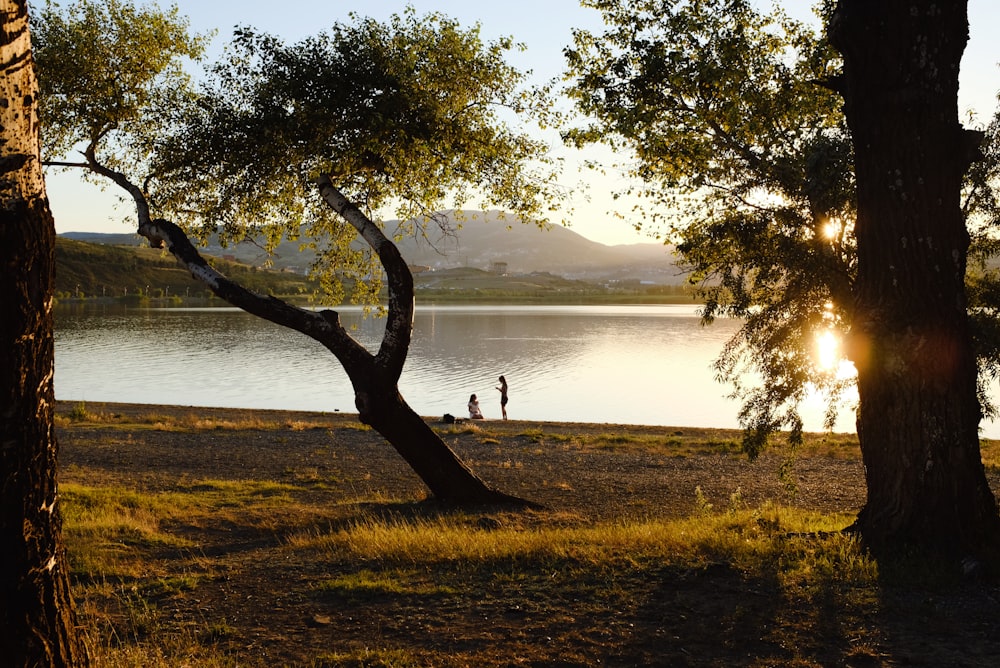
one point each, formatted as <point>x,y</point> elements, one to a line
<point>615,364</point>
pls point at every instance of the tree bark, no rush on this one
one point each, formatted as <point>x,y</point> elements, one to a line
<point>37,618</point>
<point>918,415</point>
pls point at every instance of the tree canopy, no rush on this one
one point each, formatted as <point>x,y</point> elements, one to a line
<point>744,158</point>
<point>406,117</point>
<point>114,77</point>
<point>747,161</point>
<point>410,117</point>
<point>316,139</point>
<point>755,141</point>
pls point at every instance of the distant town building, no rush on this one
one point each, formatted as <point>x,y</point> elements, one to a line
<point>499,268</point>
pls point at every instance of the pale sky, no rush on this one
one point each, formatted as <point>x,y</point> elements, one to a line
<point>544,26</point>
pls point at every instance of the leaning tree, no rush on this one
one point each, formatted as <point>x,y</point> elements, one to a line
<point>37,620</point>
<point>740,137</point>
<point>308,141</point>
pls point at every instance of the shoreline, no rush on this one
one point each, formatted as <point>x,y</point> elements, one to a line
<point>425,298</point>
<point>136,410</point>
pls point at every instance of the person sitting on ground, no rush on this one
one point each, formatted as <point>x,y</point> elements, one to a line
<point>474,412</point>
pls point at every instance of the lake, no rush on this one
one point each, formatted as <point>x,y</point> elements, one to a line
<point>598,364</point>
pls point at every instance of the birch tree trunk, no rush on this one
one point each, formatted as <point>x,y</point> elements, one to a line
<point>37,619</point>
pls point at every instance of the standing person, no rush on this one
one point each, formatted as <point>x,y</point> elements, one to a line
<point>474,412</point>
<point>503,396</point>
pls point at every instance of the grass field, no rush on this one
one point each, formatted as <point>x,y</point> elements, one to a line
<point>211,537</point>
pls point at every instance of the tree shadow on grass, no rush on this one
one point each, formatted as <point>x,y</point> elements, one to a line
<point>927,623</point>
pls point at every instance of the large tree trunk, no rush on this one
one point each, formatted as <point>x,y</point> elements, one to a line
<point>37,621</point>
<point>918,415</point>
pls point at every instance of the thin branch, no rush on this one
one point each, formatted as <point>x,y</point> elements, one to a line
<point>141,205</point>
<point>58,163</point>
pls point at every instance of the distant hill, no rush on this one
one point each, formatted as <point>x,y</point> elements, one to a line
<point>105,270</point>
<point>525,248</point>
<point>482,241</point>
<point>107,239</point>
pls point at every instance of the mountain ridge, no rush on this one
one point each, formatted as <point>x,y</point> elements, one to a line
<point>482,240</point>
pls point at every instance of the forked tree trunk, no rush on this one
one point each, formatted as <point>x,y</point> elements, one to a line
<point>919,414</point>
<point>37,621</point>
<point>374,377</point>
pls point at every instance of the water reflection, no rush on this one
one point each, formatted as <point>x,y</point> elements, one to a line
<point>621,364</point>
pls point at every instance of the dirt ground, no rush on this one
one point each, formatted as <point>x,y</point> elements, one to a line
<point>715,617</point>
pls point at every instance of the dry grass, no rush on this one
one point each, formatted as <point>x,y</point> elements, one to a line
<point>748,537</point>
<point>192,420</point>
<point>425,560</point>
<point>264,542</point>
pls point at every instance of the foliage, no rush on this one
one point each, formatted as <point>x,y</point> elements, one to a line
<point>112,76</point>
<point>981,205</point>
<point>260,150</point>
<point>751,161</point>
<point>79,413</point>
<point>406,115</point>
<point>411,115</point>
<point>742,149</point>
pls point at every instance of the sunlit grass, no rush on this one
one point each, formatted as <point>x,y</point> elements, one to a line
<point>747,539</point>
<point>368,582</point>
<point>537,435</point>
<point>371,658</point>
<point>80,413</point>
<point>461,429</point>
<point>109,526</point>
<point>115,535</point>
<point>681,442</point>
<point>676,445</point>
<point>138,556</point>
<point>990,450</point>
<point>187,649</point>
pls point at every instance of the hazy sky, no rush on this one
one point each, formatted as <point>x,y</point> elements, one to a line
<point>543,25</point>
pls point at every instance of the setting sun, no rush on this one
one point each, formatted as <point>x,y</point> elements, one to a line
<point>828,350</point>
<point>830,356</point>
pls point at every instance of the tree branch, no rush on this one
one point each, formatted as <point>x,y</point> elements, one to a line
<point>141,205</point>
<point>58,163</point>
<point>323,326</point>
<point>399,326</point>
